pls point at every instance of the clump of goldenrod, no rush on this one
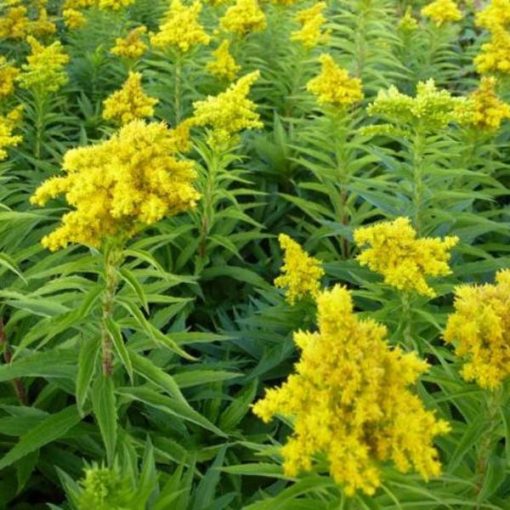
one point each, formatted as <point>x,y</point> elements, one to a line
<point>130,102</point>
<point>114,5</point>
<point>224,65</point>
<point>181,28</point>
<point>431,108</point>
<point>42,26</point>
<point>228,113</point>
<point>408,23</point>
<point>312,20</point>
<point>74,18</point>
<point>132,46</point>
<point>494,56</point>
<point>8,75</point>
<point>118,186</point>
<point>350,400</point>
<point>44,70</point>
<point>484,110</point>
<point>333,86</point>
<point>480,330</point>
<point>244,17</point>
<point>392,249</point>
<point>14,24</point>
<point>301,273</point>
<point>442,11</point>
<point>7,125</point>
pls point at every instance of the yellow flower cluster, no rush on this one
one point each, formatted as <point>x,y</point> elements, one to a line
<point>244,17</point>
<point>132,46</point>
<point>350,400</point>
<point>120,185</point>
<point>333,86</point>
<point>74,18</point>
<point>442,11</point>
<point>42,26</point>
<point>8,75</point>
<point>14,23</point>
<point>408,23</point>
<point>495,15</point>
<point>495,54</point>
<point>7,125</point>
<point>45,68</point>
<point>301,272</point>
<point>484,109</point>
<point>480,330</point>
<point>224,65</point>
<point>181,28</point>
<point>312,20</point>
<point>431,109</point>
<point>130,102</point>
<point>229,112</point>
<point>114,5</point>
<point>395,252</point>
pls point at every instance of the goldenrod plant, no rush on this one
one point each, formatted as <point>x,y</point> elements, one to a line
<point>254,254</point>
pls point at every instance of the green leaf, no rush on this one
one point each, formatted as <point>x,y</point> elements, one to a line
<point>105,412</point>
<point>48,431</point>
<point>87,362</point>
<point>120,347</point>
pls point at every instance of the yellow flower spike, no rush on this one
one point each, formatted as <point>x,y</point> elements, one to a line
<point>14,24</point>
<point>7,125</point>
<point>74,18</point>
<point>224,65</point>
<point>181,28</point>
<point>392,249</point>
<point>244,17</point>
<point>130,102</point>
<point>301,272</point>
<point>132,46</point>
<point>229,112</point>
<point>408,23</point>
<point>333,86</point>
<point>45,67</point>
<point>8,75</point>
<point>42,26</point>
<point>349,399</point>
<point>484,109</point>
<point>494,56</point>
<point>442,11</point>
<point>480,330</point>
<point>312,20</point>
<point>119,186</point>
<point>114,5</point>
<point>496,15</point>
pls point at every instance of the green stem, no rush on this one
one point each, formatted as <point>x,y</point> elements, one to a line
<point>177,90</point>
<point>418,149</point>
<point>112,260</point>
<point>40,107</point>
<point>487,442</point>
<point>406,321</point>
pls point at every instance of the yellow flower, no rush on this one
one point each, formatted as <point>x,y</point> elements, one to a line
<point>132,46</point>
<point>312,20</point>
<point>333,86</point>
<point>7,125</point>
<point>229,112</point>
<point>181,28</point>
<point>118,186</point>
<point>42,26</point>
<point>495,15</point>
<point>45,68</point>
<point>408,23</point>
<point>14,23</point>
<point>395,252</point>
<point>432,108</point>
<point>8,75</point>
<point>243,17</point>
<point>224,65</point>
<point>74,18</point>
<point>484,109</point>
<point>350,400</point>
<point>130,102</point>
<point>480,330</point>
<point>442,11</point>
<point>114,4</point>
<point>79,4</point>
<point>494,56</point>
<point>301,273</point>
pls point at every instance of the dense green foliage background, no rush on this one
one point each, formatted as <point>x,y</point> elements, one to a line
<point>205,332</point>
